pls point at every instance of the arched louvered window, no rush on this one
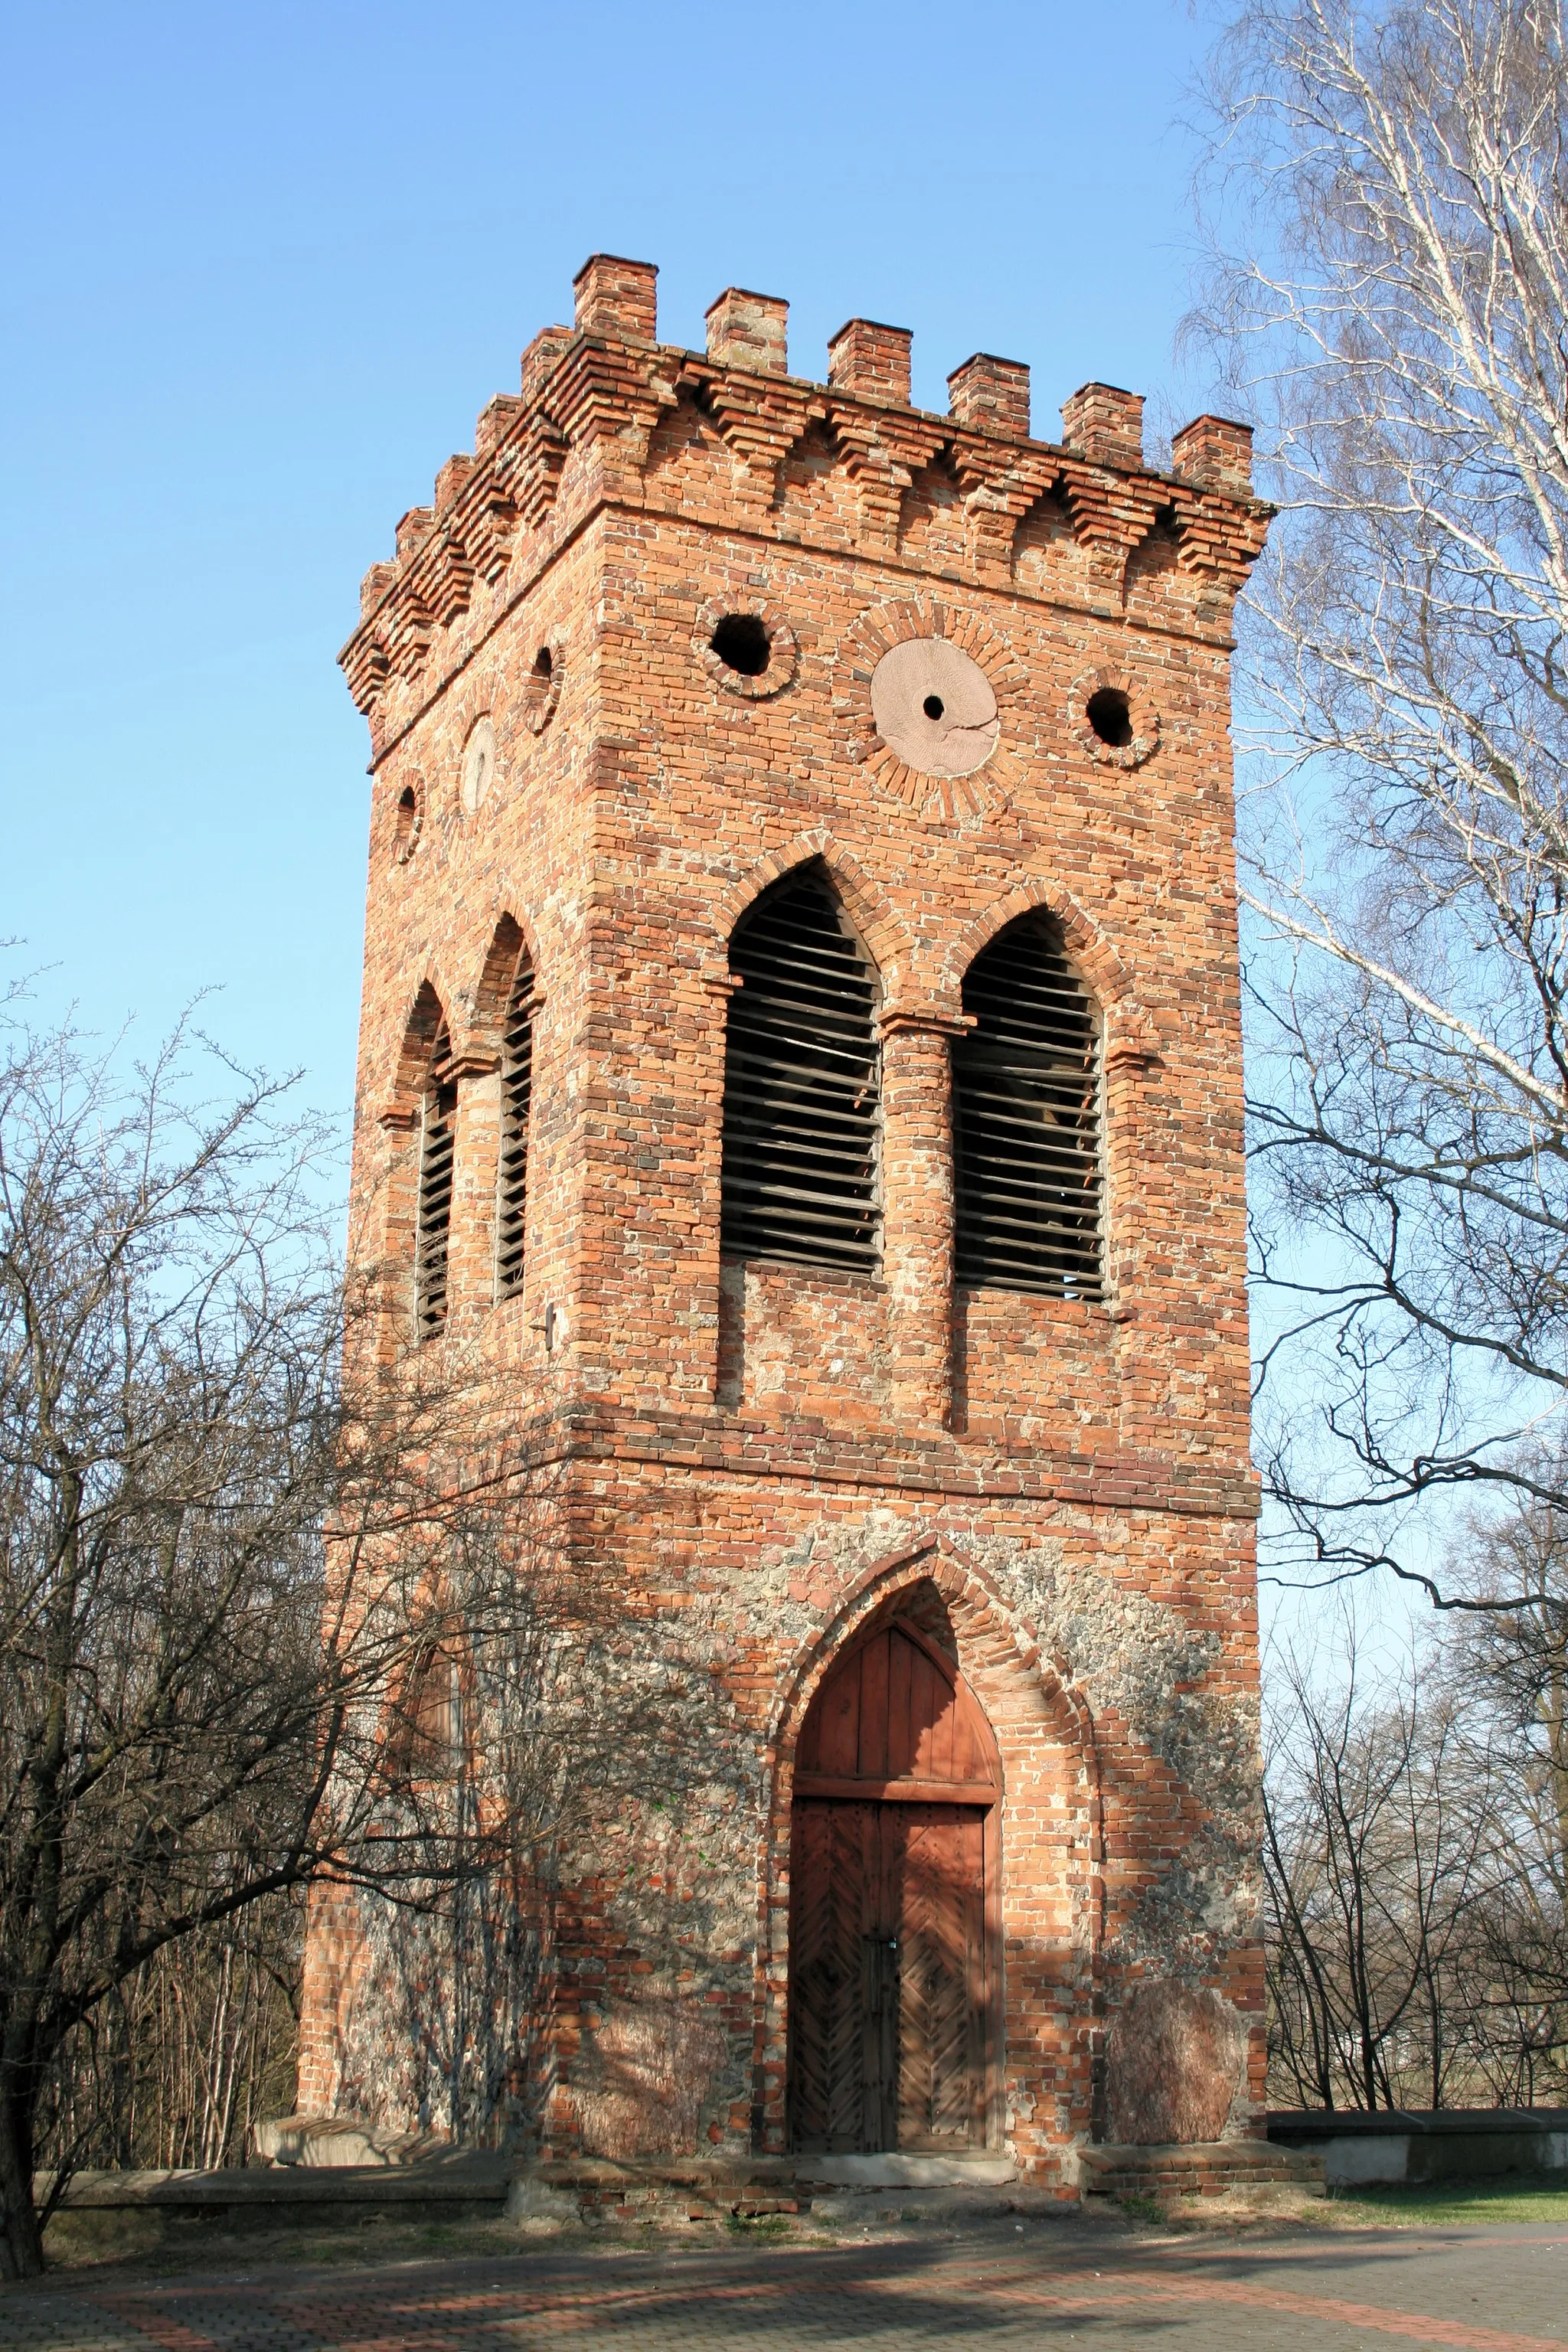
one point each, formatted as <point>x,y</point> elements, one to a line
<point>1028,1118</point>
<point>438,1140</point>
<point>802,1075</point>
<point>426,1724</point>
<point>516,1094</point>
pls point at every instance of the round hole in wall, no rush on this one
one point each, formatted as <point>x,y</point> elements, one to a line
<point>405,827</point>
<point>933,706</point>
<point>741,643</point>
<point>744,645</point>
<point>1111,715</point>
<point>543,663</point>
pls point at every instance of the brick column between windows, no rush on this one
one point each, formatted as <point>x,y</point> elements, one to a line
<point>470,1253</point>
<point>398,1192</point>
<point>917,1214</point>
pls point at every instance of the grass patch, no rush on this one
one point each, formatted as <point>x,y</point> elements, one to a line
<point>1510,2199</point>
<point>1141,2209</point>
<point>153,2244</point>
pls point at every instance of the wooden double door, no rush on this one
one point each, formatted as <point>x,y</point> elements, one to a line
<point>891,1976</point>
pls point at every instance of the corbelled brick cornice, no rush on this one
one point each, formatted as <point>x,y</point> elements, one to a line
<point>579,435</point>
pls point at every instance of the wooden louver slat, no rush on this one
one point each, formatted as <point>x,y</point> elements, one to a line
<point>801,1086</point>
<point>438,1142</point>
<point>516,1095</point>
<point>1028,1120</point>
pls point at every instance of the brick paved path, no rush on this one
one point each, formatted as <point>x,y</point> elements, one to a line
<point>1500,2290</point>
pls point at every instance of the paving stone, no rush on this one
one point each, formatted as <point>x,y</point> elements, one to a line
<point>1492,2290</point>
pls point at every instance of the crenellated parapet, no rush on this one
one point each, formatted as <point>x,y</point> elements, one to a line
<point>582,432</point>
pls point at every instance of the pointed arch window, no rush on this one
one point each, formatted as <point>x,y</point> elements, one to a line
<point>424,1733</point>
<point>516,1102</point>
<point>1028,1120</point>
<point>802,1085</point>
<point>433,1231</point>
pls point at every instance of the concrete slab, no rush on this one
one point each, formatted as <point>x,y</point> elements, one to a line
<point>891,2171</point>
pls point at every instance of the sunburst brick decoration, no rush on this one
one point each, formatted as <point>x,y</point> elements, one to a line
<point>935,730</point>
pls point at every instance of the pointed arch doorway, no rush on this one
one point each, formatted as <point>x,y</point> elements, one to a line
<point>894,1970</point>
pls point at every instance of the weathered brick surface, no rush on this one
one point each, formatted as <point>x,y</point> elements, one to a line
<point>753,1458</point>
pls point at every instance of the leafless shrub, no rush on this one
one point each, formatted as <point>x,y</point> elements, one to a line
<point>1509,1665</point>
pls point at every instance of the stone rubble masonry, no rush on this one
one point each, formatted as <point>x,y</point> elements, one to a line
<point>749,1461</point>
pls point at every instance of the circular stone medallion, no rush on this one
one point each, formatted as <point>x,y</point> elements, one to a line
<point>935,708</point>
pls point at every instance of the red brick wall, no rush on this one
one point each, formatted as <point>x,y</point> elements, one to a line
<point>1073,1477</point>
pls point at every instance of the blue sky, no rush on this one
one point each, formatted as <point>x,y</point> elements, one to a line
<point>265,265</point>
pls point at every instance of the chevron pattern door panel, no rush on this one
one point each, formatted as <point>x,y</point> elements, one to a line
<point>941,1973</point>
<point>844,1998</point>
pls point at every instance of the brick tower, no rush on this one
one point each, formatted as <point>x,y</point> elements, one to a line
<point>800,1064</point>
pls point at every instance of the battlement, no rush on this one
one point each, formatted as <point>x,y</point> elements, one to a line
<point>592,397</point>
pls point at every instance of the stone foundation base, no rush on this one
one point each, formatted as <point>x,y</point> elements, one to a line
<point>699,2188</point>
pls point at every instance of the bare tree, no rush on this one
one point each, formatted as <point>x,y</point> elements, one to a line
<point>1388,199</point>
<point>1375,1842</point>
<point>179,2063</point>
<point>268,1630</point>
<point>1508,1668</point>
<point>193,1703</point>
<point>537,1735</point>
<point>1417,1928</point>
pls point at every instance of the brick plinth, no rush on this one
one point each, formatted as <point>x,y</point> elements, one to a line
<point>747,1461</point>
<point>992,396</point>
<point>1212,2168</point>
<point>871,360</point>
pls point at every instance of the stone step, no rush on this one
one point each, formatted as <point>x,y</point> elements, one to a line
<point>336,2143</point>
<point>895,2171</point>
